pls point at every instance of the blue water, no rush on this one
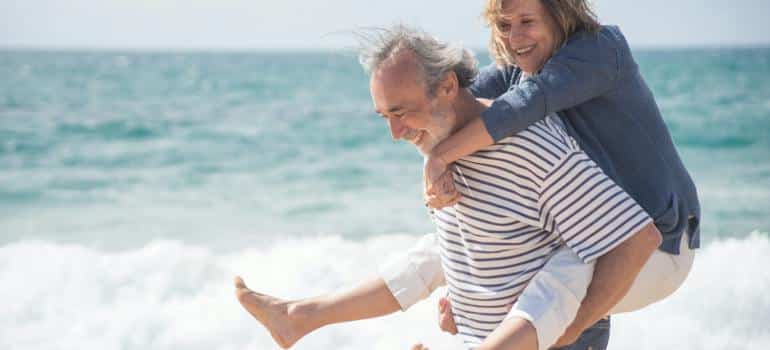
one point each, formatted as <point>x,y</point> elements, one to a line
<point>122,170</point>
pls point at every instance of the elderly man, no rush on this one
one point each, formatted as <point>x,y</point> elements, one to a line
<point>517,251</point>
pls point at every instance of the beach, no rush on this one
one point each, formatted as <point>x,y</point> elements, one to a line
<point>135,185</point>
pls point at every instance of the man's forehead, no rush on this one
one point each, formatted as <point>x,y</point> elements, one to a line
<point>398,83</point>
<point>401,68</point>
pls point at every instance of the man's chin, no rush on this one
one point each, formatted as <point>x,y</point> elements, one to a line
<point>426,146</point>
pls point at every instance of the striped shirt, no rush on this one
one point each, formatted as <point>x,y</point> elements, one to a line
<point>522,198</point>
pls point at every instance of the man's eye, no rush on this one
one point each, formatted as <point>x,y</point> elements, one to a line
<point>527,21</point>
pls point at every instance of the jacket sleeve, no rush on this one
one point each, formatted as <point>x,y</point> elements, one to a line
<point>587,66</point>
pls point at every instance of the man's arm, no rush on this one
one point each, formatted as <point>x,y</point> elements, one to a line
<point>614,274</point>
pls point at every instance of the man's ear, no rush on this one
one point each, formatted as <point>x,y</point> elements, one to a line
<point>449,86</point>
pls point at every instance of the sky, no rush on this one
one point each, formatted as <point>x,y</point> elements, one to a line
<point>285,24</point>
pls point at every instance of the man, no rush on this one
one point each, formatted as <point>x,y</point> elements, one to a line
<point>516,251</point>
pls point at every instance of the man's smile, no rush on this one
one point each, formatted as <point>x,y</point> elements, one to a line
<point>414,136</point>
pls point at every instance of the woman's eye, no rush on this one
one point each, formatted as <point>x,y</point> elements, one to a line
<point>527,21</point>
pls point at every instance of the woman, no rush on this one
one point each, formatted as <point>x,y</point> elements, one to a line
<point>553,57</point>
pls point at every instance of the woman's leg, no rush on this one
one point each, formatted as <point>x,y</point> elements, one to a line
<point>660,277</point>
<point>547,305</point>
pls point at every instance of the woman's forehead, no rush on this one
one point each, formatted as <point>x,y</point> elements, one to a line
<point>517,8</point>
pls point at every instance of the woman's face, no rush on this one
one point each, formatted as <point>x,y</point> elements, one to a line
<point>529,32</point>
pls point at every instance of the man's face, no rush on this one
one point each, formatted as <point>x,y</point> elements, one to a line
<point>530,33</point>
<point>400,96</point>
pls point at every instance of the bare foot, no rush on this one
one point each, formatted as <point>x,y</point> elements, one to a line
<point>273,313</point>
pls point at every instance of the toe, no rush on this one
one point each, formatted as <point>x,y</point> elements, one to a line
<point>239,282</point>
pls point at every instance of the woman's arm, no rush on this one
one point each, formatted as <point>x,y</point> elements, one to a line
<point>587,66</point>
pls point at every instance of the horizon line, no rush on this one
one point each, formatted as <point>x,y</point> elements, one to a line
<point>287,49</point>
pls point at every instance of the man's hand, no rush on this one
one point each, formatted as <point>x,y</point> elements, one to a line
<point>419,346</point>
<point>446,320</point>
<point>439,187</point>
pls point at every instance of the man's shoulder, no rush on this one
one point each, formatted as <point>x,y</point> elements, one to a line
<point>547,136</point>
<point>535,149</point>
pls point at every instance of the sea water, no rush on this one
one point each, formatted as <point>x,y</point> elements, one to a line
<point>133,186</point>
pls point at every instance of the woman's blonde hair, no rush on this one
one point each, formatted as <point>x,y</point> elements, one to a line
<point>571,16</point>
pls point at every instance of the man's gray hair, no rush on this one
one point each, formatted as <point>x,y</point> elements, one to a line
<point>436,57</point>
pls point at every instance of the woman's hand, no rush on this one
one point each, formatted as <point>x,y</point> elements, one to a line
<point>419,346</point>
<point>571,335</point>
<point>439,187</point>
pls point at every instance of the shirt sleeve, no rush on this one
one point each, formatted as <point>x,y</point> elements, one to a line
<point>492,81</point>
<point>590,213</point>
<point>413,276</point>
<point>587,66</point>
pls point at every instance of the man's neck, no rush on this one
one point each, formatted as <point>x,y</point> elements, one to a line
<point>466,108</point>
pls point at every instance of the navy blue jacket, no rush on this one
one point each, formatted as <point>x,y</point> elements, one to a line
<point>594,84</point>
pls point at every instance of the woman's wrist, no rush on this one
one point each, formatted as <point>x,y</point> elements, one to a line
<point>437,159</point>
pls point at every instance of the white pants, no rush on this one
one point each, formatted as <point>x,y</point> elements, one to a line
<point>661,276</point>
<point>552,298</point>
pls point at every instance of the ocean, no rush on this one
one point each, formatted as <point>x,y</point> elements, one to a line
<point>134,186</point>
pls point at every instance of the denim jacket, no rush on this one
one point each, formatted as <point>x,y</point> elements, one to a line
<point>594,84</point>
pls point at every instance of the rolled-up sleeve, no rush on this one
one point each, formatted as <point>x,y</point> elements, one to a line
<point>590,212</point>
<point>413,276</point>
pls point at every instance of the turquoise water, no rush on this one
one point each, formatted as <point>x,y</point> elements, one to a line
<point>155,177</point>
<point>287,143</point>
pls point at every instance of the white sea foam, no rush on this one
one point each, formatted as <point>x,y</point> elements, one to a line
<point>168,295</point>
<point>724,304</point>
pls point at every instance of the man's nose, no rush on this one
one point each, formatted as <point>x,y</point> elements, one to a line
<point>397,128</point>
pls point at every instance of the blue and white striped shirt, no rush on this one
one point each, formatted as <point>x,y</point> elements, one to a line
<point>522,198</point>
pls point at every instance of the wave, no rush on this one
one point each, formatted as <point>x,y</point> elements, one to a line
<point>724,303</point>
<point>171,295</point>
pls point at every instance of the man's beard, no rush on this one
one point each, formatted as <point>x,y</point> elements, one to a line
<point>441,130</point>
